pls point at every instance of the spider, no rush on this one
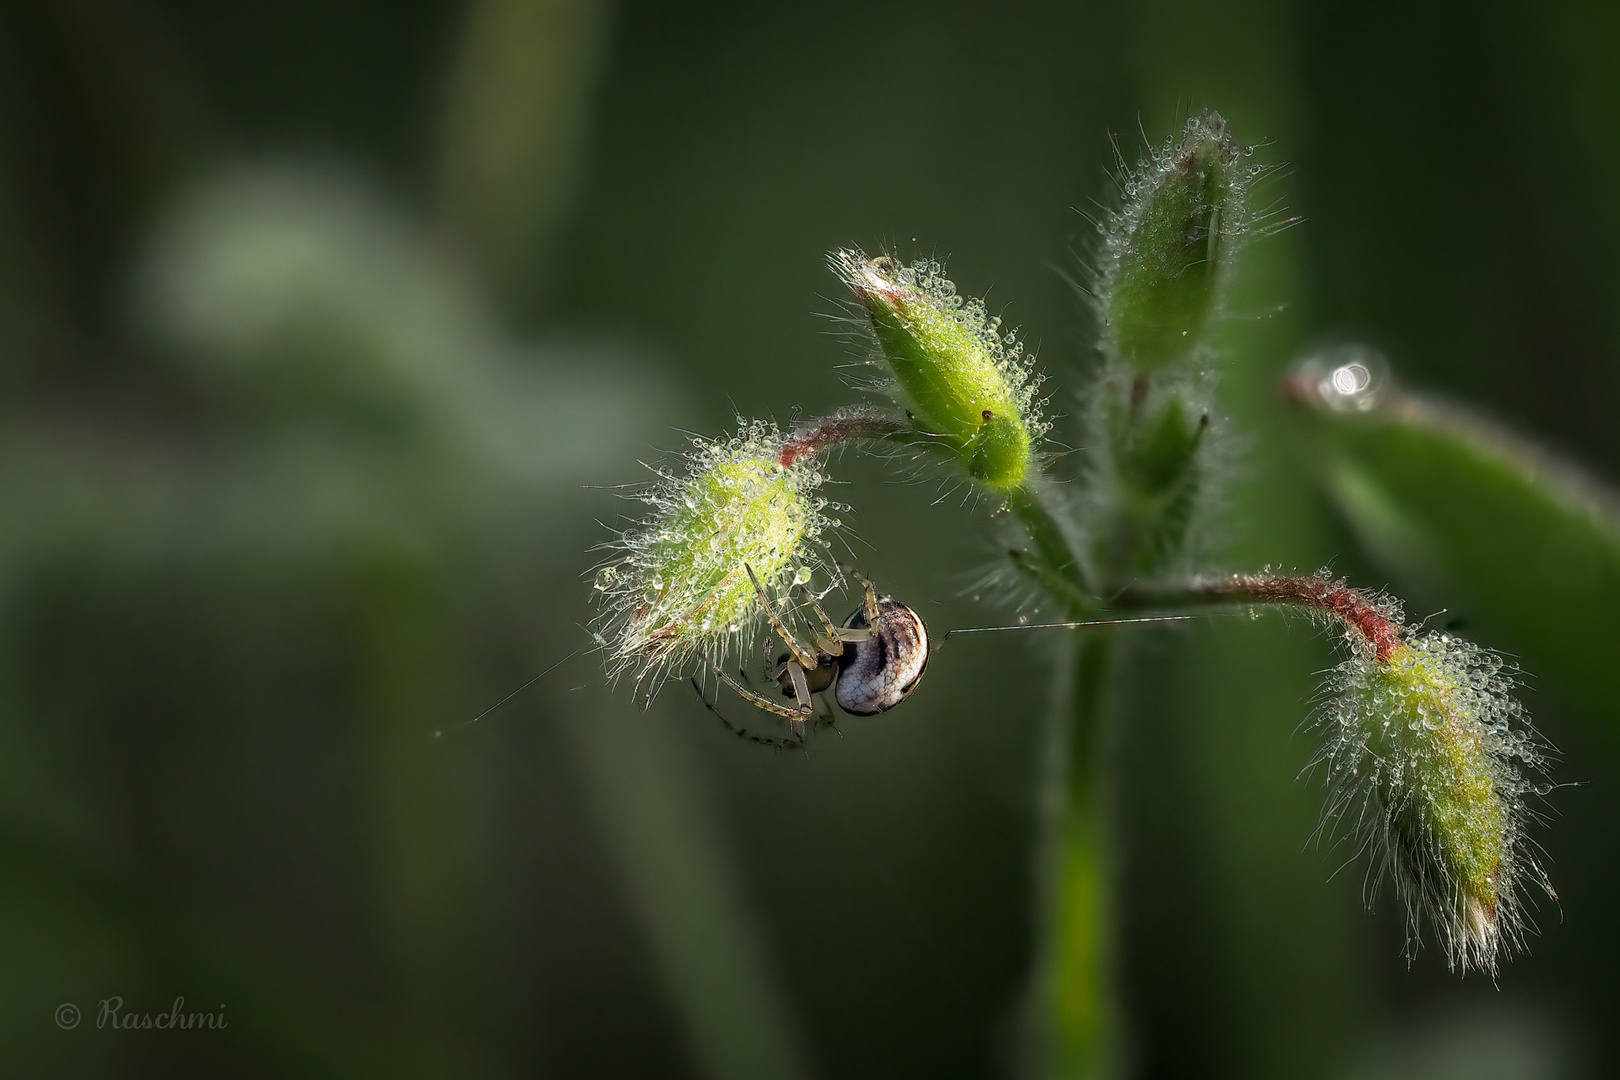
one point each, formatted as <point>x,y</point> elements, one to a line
<point>870,664</point>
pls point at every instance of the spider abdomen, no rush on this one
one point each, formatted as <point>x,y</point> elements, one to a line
<point>879,673</point>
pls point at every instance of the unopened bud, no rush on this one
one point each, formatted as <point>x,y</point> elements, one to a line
<point>1161,490</point>
<point>681,589</point>
<point>1431,761</point>
<point>965,384</point>
<point>1431,758</point>
<point>1167,251</point>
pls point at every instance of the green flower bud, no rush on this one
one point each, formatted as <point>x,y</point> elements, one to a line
<point>1430,758</point>
<point>1159,457</point>
<point>681,590</point>
<point>1161,490</point>
<point>965,385</point>
<point>1430,761</point>
<point>1167,252</point>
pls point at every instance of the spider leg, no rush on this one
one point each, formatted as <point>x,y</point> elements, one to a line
<point>801,689</point>
<point>826,717</point>
<point>795,743</point>
<point>828,640</point>
<point>804,657</point>
<point>871,597</point>
<point>835,636</point>
<point>759,701</point>
<point>770,678</point>
<point>765,658</point>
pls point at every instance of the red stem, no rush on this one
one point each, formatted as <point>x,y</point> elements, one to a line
<point>1375,622</point>
<point>843,426</point>
<point>1360,613</point>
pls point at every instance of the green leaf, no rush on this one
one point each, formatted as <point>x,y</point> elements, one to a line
<point>1528,542</point>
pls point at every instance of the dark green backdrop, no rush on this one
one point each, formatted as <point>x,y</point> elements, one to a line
<point>328,329</point>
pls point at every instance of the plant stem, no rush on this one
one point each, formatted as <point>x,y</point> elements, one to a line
<point>1376,622</point>
<point>1073,1018</point>
<point>1075,1021</point>
<point>1052,560</point>
<point>852,424</point>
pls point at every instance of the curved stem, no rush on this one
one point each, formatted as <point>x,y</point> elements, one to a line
<point>1374,621</point>
<point>852,424</point>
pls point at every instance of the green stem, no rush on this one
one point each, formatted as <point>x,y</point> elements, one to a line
<point>1051,560</point>
<point>1075,1021</point>
<point>1073,1017</point>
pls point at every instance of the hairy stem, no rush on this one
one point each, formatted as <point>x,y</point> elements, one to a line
<point>1076,1022</point>
<point>1051,559</point>
<point>853,424</point>
<point>1373,621</point>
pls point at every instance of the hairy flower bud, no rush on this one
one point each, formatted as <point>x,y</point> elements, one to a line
<point>681,590</point>
<point>1146,513</point>
<point>1167,251</point>
<point>1430,759</point>
<point>965,383</point>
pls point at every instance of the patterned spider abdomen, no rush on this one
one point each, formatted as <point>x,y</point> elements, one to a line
<point>879,673</point>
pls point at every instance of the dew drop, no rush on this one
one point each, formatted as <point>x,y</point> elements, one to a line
<point>1349,378</point>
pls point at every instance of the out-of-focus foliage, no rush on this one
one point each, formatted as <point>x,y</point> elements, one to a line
<point>328,330</point>
<point>1410,475</point>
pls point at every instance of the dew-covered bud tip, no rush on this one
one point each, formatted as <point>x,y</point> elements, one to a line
<point>1167,251</point>
<point>964,381</point>
<point>679,588</point>
<point>1431,760</point>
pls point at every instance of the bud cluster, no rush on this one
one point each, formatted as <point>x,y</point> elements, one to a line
<point>1430,758</point>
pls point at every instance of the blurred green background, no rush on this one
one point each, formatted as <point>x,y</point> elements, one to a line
<point>329,330</point>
